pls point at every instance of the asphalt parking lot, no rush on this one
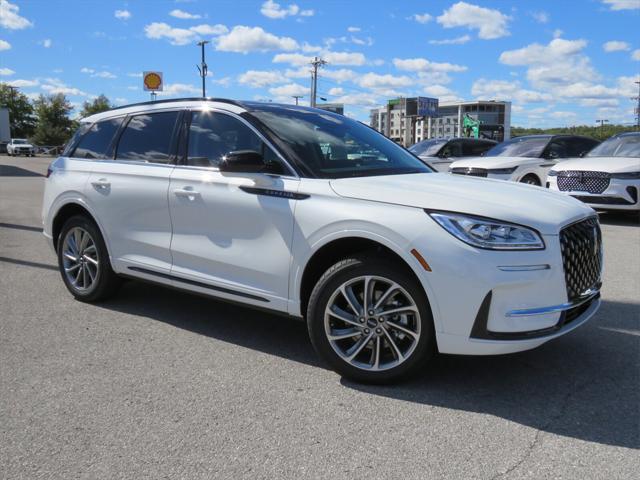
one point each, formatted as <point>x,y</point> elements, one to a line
<point>161,384</point>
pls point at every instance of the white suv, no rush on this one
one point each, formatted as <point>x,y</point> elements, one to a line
<point>311,214</point>
<point>20,146</point>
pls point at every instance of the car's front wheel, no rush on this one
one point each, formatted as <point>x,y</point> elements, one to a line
<point>370,320</point>
<point>83,261</point>
<point>531,179</point>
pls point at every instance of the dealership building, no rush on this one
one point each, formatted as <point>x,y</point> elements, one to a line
<point>411,120</point>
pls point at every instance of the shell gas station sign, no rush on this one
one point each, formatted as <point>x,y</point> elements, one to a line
<point>152,81</point>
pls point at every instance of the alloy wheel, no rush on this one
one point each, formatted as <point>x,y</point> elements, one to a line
<point>372,323</point>
<point>80,259</point>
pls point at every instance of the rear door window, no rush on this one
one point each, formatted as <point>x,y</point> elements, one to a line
<point>148,138</point>
<point>96,142</point>
<point>472,148</point>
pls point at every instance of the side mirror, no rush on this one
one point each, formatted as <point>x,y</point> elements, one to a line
<point>242,161</point>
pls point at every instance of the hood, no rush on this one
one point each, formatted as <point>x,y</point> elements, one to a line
<point>536,207</point>
<point>601,164</point>
<point>495,162</point>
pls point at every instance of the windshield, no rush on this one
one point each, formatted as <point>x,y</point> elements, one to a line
<point>427,148</point>
<point>19,141</point>
<point>622,146</point>
<point>519,147</point>
<point>328,145</point>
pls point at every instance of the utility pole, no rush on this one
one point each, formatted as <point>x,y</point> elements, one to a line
<point>202,68</point>
<point>297,97</point>
<point>602,122</point>
<point>638,107</point>
<point>316,63</point>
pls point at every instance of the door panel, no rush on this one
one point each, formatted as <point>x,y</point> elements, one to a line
<point>233,230</point>
<point>131,201</point>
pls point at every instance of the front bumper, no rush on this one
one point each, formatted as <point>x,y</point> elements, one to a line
<point>494,302</point>
<point>619,195</point>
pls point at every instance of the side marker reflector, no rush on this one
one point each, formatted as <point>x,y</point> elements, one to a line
<point>420,259</point>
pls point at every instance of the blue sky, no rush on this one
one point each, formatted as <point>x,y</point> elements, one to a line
<point>560,62</point>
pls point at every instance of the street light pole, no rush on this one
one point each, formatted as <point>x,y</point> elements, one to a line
<point>602,122</point>
<point>317,62</point>
<point>203,68</point>
<point>638,107</point>
<point>297,97</point>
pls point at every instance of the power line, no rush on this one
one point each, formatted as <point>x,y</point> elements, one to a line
<point>316,63</point>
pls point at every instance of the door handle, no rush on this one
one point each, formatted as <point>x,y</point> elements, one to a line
<point>101,183</point>
<point>186,192</point>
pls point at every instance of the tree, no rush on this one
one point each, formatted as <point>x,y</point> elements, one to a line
<point>20,111</point>
<point>54,126</point>
<point>97,105</point>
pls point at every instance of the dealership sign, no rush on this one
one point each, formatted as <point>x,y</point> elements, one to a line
<point>152,81</point>
<point>427,107</point>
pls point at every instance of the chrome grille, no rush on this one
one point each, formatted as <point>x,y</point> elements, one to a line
<point>582,181</point>
<point>473,172</point>
<point>581,245</point>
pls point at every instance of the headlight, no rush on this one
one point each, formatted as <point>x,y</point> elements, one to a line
<point>626,175</point>
<point>502,171</point>
<point>552,173</point>
<point>488,233</point>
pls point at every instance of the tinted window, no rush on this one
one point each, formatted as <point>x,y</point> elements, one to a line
<point>148,138</point>
<point>451,149</point>
<point>73,141</point>
<point>619,146</point>
<point>519,147</point>
<point>213,135</point>
<point>475,148</point>
<point>427,148</point>
<point>327,145</point>
<point>95,143</point>
<point>558,148</point>
<point>580,146</point>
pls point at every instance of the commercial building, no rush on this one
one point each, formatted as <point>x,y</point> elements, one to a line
<point>399,120</point>
<point>332,107</point>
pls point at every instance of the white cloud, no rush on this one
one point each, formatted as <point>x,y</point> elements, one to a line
<point>224,81</point>
<point>335,91</point>
<point>101,74</point>
<point>563,114</point>
<point>540,17</point>
<point>55,86</point>
<point>181,14</point>
<point>557,33</point>
<point>179,89</point>
<point>421,17</point>
<point>424,65</point>
<point>6,71</point>
<point>451,41</point>
<point>289,90</point>
<point>353,29</point>
<point>489,23</point>
<point>599,102</point>
<point>362,41</point>
<point>261,78</point>
<point>9,17</point>
<point>87,70</point>
<point>122,14</point>
<point>385,81</point>
<point>622,4</point>
<point>340,75</point>
<point>296,59</point>
<point>634,56</point>
<point>307,48</point>
<point>502,90</point>
<point>360,99</point>
<point>4,45</point>
<point>181,36</point>
<point>616,46</point>
<point>274,10</point>
<point>20,83</point>
<point>134,75</point>
<point>46,43</point>
<point>344,58</point>
<point>204,29</point>
<point>244,39</point>
<point>442,93</point>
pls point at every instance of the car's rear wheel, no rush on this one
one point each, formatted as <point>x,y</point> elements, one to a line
<point>370,320</point>
<point>83,261</point>
<point>531,179</point>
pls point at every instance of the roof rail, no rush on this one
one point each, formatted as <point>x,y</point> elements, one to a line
<point>188,99</point>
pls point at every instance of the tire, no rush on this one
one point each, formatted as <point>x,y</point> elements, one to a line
<point>95,280</point>
<point>415,349</point>
<point>531,179</point>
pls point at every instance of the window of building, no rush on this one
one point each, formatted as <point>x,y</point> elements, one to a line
<point>148,138</point>
<point>95,143</point>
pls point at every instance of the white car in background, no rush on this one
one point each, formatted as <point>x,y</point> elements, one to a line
<point>20,146</point>
<point>608,178</point>
<point>525,159</point>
